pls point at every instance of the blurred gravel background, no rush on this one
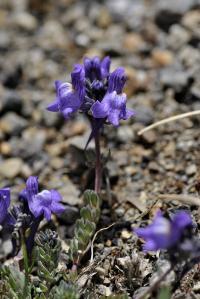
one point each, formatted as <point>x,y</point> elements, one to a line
<point>157,41</point>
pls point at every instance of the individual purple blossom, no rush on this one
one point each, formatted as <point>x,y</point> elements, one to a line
<point>69,97</point>
<point>164,233</point>
<point>42,203</point>
<point>4,203</point>
<point>95,69</point>
<point>113,108</point>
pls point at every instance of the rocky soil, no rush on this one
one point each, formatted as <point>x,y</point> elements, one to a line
<point>158,42</point>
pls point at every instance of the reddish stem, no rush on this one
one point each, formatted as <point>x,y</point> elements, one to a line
<point>98,179</point>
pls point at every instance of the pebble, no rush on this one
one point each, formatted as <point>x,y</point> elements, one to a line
<point>12,124</point>
<point>10,168</point>
<point>133,42</point>
<point>125,134</point>
<point>162,57</point>
<point>144,115</point>
<point>149,137</point>
<point>52,35</point>
<point>178,36</point>
<point>105,291</point>
<point>191,169</point>
<point>70,194</point>
<point>10,101</point>
<point>24,20</point>
<point>173,78</point>
<point>70,214</point>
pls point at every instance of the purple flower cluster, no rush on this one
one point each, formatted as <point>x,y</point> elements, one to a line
<point>164,233</point>
<point>93,90</point>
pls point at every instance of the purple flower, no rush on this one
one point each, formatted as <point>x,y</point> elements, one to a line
<point>95,69</point>
<point>94,91</point>
<point>164,233</point>
<point>117,80</point>
<point>4,203</point>
<point>69,96</point>
<point>44,202</point>
<point>112,107</point>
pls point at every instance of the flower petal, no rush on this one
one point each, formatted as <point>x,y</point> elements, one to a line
<point>47,213</point>
<point>35,207</point>
<point>105,67</point>
<point>100,109</point>
<point>57,208</point>
<point>32,186</point>
<point>54,106</point>
<point>78,80</point>
<point>117,80</point>
<point>113,117</point>
<point>55,195</point>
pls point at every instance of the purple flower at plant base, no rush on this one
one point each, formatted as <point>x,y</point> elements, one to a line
<point>4,203</point>
<point>69,96</point>
<point>42,203</point>
<point>164,233</point>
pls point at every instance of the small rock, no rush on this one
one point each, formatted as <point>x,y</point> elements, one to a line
<point>124,261</point>
<point>52,35</point>
<point>120,211</point>
<point>162,57</point>
<point>126,234</point>
<point>5,148</point>
<point>191,169</point>
<point>149,137</point>
<point>101,271</point>
<point>125,134</point>
<point>70,214</point>
<point>144,115</point>
<point>7,247</point>
<point>24,20</point>
<point>70,194</point>
<point>11,101</point>
<point>174,78</point>
<point>12,124</point>
<point>10,168</point>
<point>191,20</point>
<point>178,36</point>
<point>105,291</point>
<point>104,19</point>
<point>133,42</point>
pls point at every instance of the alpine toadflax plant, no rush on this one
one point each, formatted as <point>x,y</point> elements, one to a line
<point>42,203</point>
<point>164,233</point>
<point>93,90</point>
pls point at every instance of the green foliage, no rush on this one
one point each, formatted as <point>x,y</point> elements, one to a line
<point>12,284</point>
<point>119,296</point>
<point>165,293</point>
<point>47,254</point>
<point>86,226</point>
<point>64,291</point>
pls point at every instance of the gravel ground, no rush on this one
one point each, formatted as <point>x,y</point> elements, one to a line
<point>158,42</point>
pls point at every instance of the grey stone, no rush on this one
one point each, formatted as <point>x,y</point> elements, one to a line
<point>10,168</point>
<point>12,124</point>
